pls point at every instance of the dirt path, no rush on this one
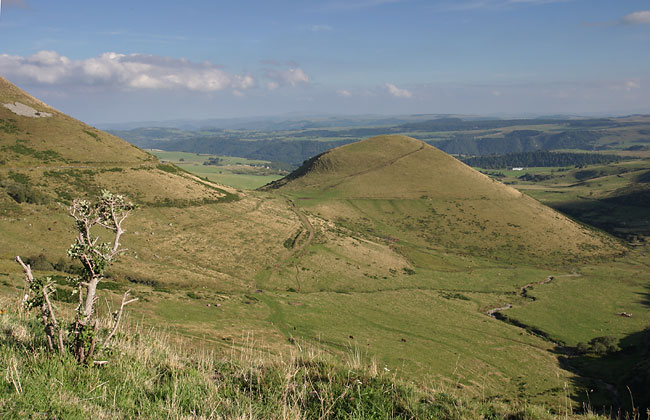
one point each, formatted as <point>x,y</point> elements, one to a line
<point>390,162</point>
<point>307,224</point>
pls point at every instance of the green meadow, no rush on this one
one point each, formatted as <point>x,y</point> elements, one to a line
<point>231,171</point>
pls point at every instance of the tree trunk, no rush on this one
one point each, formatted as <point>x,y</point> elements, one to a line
<point>83,319</point>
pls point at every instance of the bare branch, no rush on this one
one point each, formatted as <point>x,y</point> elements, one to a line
<point>52,317</point>
<point>29,277</point>
<point>118,316</point>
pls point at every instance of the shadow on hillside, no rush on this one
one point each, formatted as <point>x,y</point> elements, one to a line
<point>625,216</point>
<point>615,383</point>
<point>645,297</point>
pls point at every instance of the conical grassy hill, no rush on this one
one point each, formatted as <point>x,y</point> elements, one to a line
<point>403,188</point>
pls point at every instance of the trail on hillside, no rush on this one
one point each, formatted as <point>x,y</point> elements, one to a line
<point>307,224</point>
<point>385,165</point>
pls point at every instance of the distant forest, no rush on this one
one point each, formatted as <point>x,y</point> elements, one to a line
<point>539,159</point>
<point>518,141</point>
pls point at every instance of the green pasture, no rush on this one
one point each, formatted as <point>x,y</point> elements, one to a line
<point>175,157</point>
<point>232,171</point>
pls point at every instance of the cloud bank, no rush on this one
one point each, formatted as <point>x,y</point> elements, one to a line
<point>137,72</point>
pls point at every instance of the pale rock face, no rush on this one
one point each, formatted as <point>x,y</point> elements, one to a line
<point>26,111</point>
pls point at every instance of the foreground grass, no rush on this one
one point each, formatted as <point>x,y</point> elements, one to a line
<point>149,376</point>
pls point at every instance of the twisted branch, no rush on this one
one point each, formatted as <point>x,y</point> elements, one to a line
<point>118,316</point>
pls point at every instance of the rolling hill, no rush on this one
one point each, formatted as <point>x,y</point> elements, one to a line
<point>386,249</point>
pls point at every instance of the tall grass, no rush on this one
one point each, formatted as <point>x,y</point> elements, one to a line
<point>151,376</point>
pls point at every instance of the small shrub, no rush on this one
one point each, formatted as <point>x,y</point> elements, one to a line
<point>603,345</point>
<point>458,296</point>
<point>19,178</point>
<point>582,348</point>
<point>93,135</point>
<point>143,281</point>
<point>599,346</point>
<point>193,295</point>
<point>22,193</point>
<point>39,262</point>
<point>169,168</point>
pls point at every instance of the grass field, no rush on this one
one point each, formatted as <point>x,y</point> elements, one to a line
<point>232,171</point>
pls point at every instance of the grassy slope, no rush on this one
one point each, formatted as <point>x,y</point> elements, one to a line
<point>63,158</point>
<point>402,188</point>
<point>150,376</point>
<point>613,197</point>
<point>386,275</point>
<point>398,207</point>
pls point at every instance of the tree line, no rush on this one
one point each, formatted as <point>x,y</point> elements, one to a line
<point>539,159</point>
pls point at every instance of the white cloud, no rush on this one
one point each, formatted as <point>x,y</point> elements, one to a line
<point>293,76</point>
<point>630,85</point>
<point>344,93</point>
<point>640,17</point>
<point>132,71</point>
<point>397,92</point>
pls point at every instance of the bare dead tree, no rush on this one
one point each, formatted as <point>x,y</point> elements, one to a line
<point>109,212</point>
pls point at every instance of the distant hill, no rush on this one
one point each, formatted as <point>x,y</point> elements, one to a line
<point>401,187</point>
<point>293,142</point>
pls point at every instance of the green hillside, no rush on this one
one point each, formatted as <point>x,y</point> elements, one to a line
<point>399,187</point>
<point>386,248</point>
<point>49,156</point>
<point>151,376</point>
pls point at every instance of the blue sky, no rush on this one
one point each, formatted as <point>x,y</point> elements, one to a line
<point>157,60</point>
